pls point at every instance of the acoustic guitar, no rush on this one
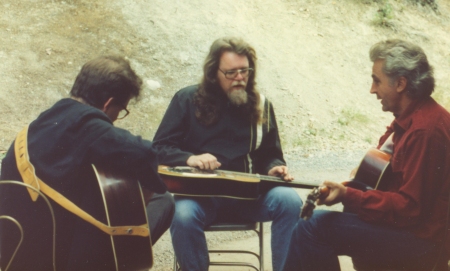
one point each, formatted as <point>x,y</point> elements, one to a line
<point>372,173</point>
<point>189,181</point>
<point>123,202</point>
<point>124,205</point>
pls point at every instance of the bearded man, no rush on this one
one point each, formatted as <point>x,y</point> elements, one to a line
<point>225,122</point>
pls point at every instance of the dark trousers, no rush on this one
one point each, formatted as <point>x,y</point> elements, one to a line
<point>317,242</point>
<point>160,212</point>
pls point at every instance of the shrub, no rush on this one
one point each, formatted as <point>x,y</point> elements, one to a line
<point>384,14</point>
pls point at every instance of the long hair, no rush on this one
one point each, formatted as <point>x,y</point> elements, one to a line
<point>105,77</point>
<point>402,58</point>
<point>209,95</point>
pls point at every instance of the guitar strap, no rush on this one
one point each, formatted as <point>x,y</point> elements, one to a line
<point>259,127</point>
<point>258,132</point>
<point>27,171</point>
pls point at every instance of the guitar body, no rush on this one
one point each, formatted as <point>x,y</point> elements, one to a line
<point>190,181</point>
<point>373,171</point>
<point>124,205</point>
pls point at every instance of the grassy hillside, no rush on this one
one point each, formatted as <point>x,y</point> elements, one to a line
<point>313,57</point>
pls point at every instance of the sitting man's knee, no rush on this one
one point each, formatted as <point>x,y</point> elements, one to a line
<point>287,196</point>
<point>169,202</point>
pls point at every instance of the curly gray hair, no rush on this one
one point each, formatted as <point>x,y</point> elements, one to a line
<point>405,59</point>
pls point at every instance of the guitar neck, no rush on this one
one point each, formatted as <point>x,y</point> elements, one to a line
<point>270,181</point>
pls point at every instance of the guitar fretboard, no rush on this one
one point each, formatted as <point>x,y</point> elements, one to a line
<point>266,179</point>
<point>243,174</point>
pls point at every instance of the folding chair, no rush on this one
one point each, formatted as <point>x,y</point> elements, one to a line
<point>236,226</point>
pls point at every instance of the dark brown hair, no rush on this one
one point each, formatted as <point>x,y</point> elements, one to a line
<point>105,77</point>
<point>208,97</point>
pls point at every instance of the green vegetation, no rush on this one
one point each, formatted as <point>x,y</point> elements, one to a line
<point>303,142</point>
<point>384,14</point>
<point>352,116</point>
<point>430,3</point>
<point>345,128</point>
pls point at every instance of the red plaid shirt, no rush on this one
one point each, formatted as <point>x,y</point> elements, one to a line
<point>418,190</point>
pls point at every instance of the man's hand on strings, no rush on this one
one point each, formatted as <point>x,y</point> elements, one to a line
<point>203,161</point>
<point>281,171</point>
<point>336,193</point>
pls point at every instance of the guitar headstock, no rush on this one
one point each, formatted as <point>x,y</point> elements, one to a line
<point>310,203</point>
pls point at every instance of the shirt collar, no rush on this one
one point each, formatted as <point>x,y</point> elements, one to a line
<point>404,121</point>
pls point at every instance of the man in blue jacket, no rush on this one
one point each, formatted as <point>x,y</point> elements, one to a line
<point>63,143</point>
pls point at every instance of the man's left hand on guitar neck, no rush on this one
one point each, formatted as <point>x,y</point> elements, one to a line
<point>281,171</point>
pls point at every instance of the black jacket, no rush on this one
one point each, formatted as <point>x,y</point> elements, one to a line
<point>233,139</point>
<point>63,142</point>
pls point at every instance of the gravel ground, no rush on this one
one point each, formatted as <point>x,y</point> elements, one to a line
<point>333,165</point>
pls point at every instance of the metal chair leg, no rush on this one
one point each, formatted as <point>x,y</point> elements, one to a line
<point>227,227</point>
<point>261,246</point>
<point>175,263</point>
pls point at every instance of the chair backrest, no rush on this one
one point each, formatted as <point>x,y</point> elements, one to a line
<point>233,226</point>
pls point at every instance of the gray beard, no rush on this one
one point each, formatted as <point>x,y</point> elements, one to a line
<point>238,97</point>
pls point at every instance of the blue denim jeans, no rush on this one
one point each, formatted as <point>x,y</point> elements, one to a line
<point>316,243</point>
<point>281,205</point>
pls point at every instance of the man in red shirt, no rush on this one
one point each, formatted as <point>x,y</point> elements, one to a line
<point>402,226</point>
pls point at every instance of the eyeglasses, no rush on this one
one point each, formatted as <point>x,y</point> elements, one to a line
<point>232,74</point>
<point>123,113</point>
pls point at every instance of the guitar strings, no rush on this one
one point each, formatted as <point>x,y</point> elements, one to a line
<point>20,227</point>
<point>265,177</point>
<point>236,173</point>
